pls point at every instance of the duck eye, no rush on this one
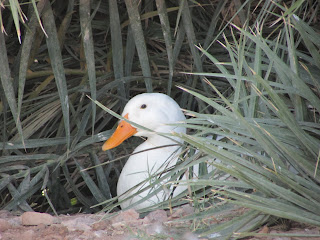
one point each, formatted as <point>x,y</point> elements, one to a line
<point>143,106</point>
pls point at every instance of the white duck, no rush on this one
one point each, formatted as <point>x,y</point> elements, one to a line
<point>153,111</point>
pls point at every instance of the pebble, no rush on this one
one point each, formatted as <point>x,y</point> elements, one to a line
<point>82,224</point>
<point>126,216</point>
<point>36,218</point>
<point>28,235</point>
<point>157,216</point>
<point>100,225</point>
<point>156,228</point>
<point>183,211</point>
<point>4,225</point>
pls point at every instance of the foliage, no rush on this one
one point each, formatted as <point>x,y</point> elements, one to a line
<point>253,104</point>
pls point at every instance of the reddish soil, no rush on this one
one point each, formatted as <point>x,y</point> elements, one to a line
<point>126,225</point>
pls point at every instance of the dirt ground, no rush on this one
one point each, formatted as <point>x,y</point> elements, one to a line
<point>124,226</point>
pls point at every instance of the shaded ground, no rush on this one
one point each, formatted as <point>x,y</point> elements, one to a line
<point>127,225</point>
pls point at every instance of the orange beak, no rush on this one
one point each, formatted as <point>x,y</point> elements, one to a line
<point>123,132</point>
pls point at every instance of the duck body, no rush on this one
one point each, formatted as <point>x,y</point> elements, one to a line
<point>142,168</point>
<point>154,111</point>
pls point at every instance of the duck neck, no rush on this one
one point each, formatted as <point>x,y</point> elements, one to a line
<point>158,140</point>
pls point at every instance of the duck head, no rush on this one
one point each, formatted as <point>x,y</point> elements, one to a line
<point>154,111</point>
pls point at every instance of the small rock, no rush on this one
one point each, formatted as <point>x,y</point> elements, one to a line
<point>189,236</point>
<point>183,211</point>
<point>4,213</point>
<point>156,228</point>
<point>118,225</point>
<point>81,223</point>
<point>126,216</point>
<point>265,229</point>
<point>55,230</point>
<point>102,234</point>
<point>157,216</point>
<point>36,218</point>
<point>4,225</point>
<point>101,225</point>
<point>28,235</point>
<point>279,238</point>
<point>41,226</point>
<point>15,221</point>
